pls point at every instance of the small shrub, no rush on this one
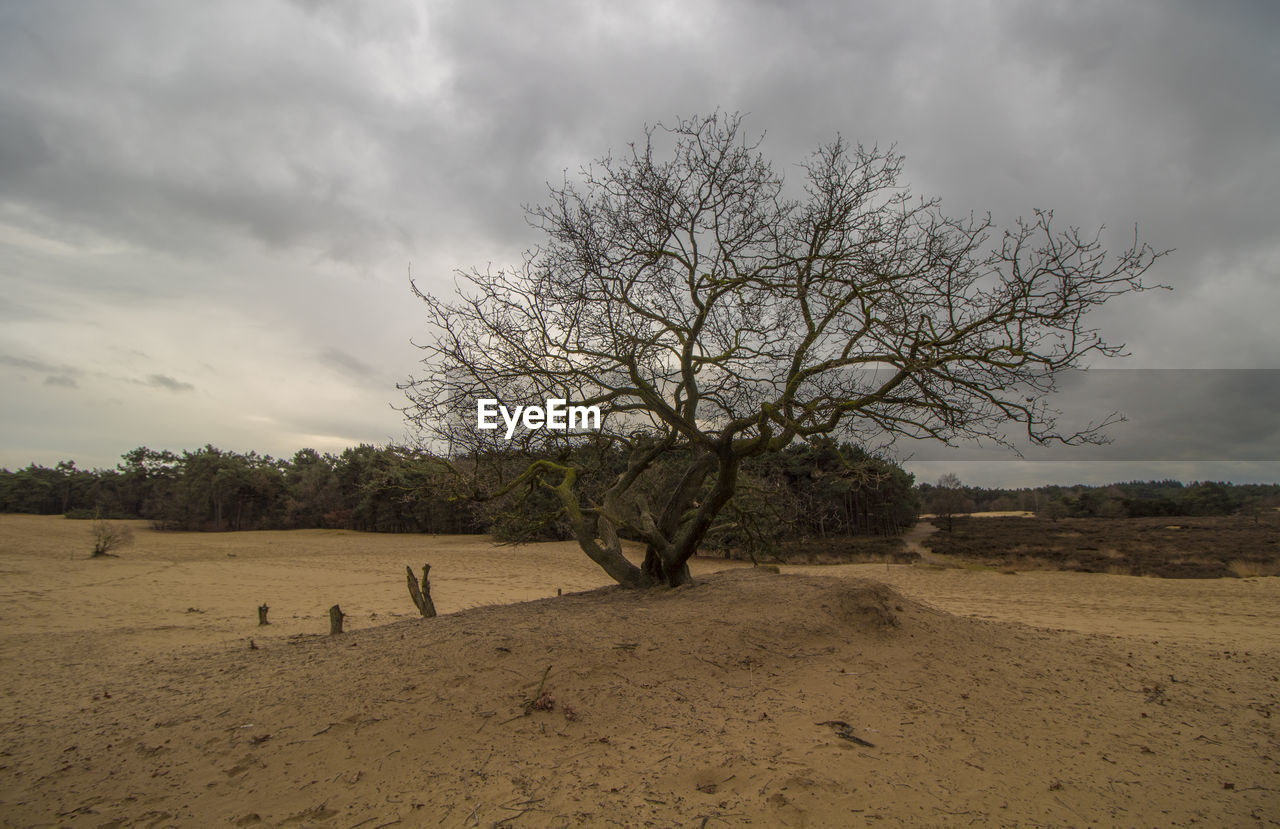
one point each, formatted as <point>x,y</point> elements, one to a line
<point>108,537</point>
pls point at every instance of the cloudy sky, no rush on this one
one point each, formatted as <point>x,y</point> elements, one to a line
<point>208,211</point>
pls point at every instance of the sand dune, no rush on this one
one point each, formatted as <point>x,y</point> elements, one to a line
<point>132,698</point>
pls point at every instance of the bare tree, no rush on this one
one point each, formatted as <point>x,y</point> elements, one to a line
<point>714,314</point>
<point>949,500</point>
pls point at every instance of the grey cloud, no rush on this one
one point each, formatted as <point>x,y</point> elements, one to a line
<point>166,127</point>
<point>55,375</point>
<point>163,381</point>
<point>27,363</point>
<point>66,376</point>
<point>348,364</point>
<point>1171,415</point>
<point>1199,139</point>
<point>312,142</point>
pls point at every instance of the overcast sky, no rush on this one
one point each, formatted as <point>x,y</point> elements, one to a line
<point>208,210</point>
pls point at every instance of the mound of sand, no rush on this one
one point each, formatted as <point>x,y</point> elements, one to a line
<point>750,698</point>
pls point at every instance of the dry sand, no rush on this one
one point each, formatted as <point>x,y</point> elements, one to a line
<point>131,696</point>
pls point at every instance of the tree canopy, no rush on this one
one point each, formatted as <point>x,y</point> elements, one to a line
<point>716,313</point>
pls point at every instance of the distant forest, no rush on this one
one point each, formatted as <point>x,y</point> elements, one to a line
<point>811,490</point>
<point>1135,499</point>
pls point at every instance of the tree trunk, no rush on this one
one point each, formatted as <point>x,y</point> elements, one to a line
<point>335,620</point>
<point>421,594</point>
<point>658,572</point>
<point>674,567</point>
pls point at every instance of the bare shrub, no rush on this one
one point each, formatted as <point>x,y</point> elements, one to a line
<point>108,537</point>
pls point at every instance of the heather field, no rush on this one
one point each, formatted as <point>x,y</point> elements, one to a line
<point>1168,547</point>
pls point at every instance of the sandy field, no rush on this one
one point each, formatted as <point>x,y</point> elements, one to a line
<point>821,696</point>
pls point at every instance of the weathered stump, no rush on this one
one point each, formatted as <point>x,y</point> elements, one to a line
<point>421,594</point>
<point>335,620</point>
<point>262,615</point>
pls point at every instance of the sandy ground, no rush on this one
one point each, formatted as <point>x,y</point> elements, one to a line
<point>131,696</point>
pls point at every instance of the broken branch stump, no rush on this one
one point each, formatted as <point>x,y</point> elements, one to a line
<point>262,614</point>
<point>421,594</point>
<point>335,620</point>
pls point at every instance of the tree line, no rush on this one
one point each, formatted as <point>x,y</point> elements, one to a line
<point>813,489</point>
<point>368,488</point>
<point>1132,499</point>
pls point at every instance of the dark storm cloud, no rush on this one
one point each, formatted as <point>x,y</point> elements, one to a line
<point>1197,83</point>
<point>172,125</point>
<point>1170,415</point>
<point>1182,415</point>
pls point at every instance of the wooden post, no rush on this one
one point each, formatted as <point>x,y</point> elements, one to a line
<point>262,614</point>
<point>335,620</point>
<point>421,594</point>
